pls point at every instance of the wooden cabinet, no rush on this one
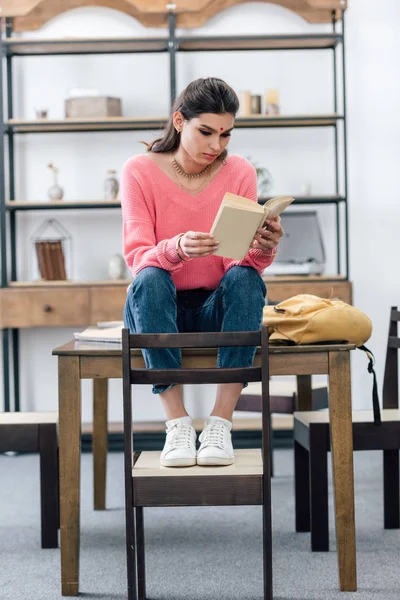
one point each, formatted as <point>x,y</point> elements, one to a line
<point>279,289</point>
<point>107,303</point>
<point>67,305</point>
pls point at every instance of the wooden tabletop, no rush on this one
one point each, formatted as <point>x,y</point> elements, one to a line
<point>75,348</point>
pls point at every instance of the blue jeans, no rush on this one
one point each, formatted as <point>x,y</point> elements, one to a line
<point>154,306</point>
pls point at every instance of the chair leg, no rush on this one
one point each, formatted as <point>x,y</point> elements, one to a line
<point>319,490</point>
<point>49,493</point>
<point>301,488</point>
<point>131,550</point>
<point>99,442</point>
<point>58,487</point>
<point>271,447</point>
<point>267,529</point>
<point>391,489</point>
<point>267,554</point>
<point>304,392</point>
<point>140,546</point>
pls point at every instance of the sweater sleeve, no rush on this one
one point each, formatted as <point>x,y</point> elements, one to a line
<point>138,237</point>
<point>258,259</point>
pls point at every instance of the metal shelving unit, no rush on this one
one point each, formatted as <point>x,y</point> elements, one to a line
<point>172,44</point>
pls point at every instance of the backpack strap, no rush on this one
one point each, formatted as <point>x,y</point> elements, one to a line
<point>375,399</point>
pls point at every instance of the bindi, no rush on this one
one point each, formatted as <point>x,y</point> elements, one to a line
<point>221,129</point>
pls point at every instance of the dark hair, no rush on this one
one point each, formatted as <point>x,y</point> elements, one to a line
<point>209,95</point>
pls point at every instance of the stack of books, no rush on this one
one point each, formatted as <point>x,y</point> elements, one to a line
<point>105,331</point>
<point>50,256</point>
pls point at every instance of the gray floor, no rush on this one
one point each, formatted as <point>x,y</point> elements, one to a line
<point>192,553</point>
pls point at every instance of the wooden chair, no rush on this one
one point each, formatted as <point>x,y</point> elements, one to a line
<point>37,432</point>
<point>312,444</point>
<point>306,398</point>
<point>246,482</point>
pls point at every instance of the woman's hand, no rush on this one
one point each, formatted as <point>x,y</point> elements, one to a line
<point>268,236</point>
<point>195,244</point>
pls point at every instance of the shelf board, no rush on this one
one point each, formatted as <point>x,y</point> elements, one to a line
<point>148,123</point>
<point>15,205</point>
<point>23,205</point>
<point>259,42</point>
<point>39,47</point>
<point>328,120</point>
<point>41,283</point>
<point>108,124</point>
<point>35,47</point>
<point>333,199</point>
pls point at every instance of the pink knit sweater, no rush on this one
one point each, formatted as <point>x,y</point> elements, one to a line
<point>156,211</point>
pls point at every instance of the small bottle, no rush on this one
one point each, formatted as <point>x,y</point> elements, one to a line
<point>271,100</point>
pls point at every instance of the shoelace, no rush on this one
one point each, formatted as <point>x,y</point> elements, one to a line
<point>181,436</point>
<point>213,435</point>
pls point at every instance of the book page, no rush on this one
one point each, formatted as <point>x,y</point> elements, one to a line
<point>274,206</point>
<point>230,199</point>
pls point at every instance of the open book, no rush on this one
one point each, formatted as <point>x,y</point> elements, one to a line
<point>238,219</point>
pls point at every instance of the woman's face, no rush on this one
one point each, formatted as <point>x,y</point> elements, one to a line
<point>205,137</point>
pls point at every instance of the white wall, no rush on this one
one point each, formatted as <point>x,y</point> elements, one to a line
<point>294,156</point>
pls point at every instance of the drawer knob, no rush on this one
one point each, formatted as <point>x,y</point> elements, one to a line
<point>47,308</point>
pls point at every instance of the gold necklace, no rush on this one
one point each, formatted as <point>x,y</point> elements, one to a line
<point>179,170</point>
<point>186,189</point>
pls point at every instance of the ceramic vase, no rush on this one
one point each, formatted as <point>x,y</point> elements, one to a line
<point>55,191</point>
<point>111,186</point>
<point>116,267</point>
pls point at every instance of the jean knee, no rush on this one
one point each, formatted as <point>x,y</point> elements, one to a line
<point>151,289</point>
<point>150,278</point>
<point>245,282</point>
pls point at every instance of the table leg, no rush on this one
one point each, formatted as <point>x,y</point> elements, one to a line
<point>69,403</point>
<point>99,442</point>
<point>342,466</point>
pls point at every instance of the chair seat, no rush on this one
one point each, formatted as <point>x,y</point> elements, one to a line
<point>37,432</point>
<point>366,435</point>
<point>236,484</point>
<point>358,416</point>
<point>28,418</point>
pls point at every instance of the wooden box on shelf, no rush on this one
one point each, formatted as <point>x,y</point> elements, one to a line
<point>89,107</point>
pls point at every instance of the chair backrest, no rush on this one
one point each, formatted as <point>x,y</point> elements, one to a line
<point>390,396</point>
<point>204,375</point>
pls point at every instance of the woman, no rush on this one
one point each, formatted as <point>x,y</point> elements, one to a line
<point>170,196</point>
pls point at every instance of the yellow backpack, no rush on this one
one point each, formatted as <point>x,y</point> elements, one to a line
<point>308,319</point>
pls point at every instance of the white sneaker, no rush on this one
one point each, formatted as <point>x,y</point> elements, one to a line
<point>216,443</point>
<point>180,445</point>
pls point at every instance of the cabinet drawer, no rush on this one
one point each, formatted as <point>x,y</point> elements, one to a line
<point>107,303</point>
<point>44,308</point>
<point>278,291</point>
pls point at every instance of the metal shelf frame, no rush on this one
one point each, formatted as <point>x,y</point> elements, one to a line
<point>11,48</point>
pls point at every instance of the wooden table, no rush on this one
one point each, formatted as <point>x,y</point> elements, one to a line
<point>101,362</point>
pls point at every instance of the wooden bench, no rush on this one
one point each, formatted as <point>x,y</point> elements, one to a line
<point>37,432</point>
